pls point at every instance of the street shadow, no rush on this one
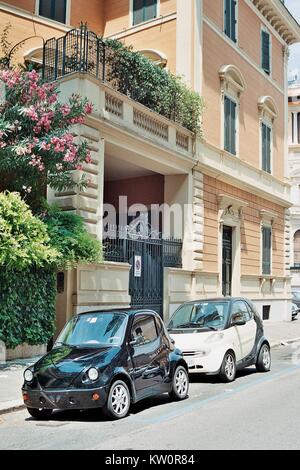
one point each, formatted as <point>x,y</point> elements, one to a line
<point>215,380</point>
<point>96,415</point>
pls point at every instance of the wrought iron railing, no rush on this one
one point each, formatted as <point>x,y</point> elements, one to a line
<point>121,247</point>
<point>80,50</point>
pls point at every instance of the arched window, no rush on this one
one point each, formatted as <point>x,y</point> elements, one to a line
<point>157,57</point>
<point>232,85</point>
<point>34,59</point>
<point>297,248</point>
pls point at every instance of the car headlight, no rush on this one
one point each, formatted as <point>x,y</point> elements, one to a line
<point>93,374</point>
<point>28,375</point>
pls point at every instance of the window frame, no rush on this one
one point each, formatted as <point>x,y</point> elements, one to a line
<point>265,30</point>
<point>68,12</point>
<point>235,40</point>
<point>131,15</point>
<point>136,319</point>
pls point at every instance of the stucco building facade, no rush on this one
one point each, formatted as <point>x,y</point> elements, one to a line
<point>234,181</point>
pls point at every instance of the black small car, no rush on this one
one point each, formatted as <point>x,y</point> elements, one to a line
<point>107,360</point>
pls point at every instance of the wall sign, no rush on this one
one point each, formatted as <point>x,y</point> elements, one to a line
<point>137,266</point>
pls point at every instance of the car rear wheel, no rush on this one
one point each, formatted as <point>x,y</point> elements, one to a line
<point>118,402</point>
<point>180,384</point>
<point>263,363</point>
<point>228,368</point>
<point>39,414</point>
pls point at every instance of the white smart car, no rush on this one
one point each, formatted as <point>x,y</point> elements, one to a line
<point>220,336</point>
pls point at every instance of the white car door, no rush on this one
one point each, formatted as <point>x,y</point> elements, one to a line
<point>247,332</point>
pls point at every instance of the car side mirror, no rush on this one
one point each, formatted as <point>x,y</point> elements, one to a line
<point>238,320</point>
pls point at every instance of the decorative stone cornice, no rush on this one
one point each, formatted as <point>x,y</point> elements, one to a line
<point>280,19</point>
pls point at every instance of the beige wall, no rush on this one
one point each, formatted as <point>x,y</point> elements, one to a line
<point>216,54</point>
<point>250,229</point>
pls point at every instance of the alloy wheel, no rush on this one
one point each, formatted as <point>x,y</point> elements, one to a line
<point>181,383</point>
<point>266,357</point>
<point>229,366</point>
<point>119,399</point>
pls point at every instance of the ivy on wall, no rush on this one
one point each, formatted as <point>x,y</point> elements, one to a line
<point>27,306</point>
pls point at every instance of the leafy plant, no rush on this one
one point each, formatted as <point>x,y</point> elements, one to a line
<point>27,306</point>
<point>69,236</point>
<point>136,76</point>
<point>24,240</point>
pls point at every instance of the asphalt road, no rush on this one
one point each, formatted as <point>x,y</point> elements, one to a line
<point>258,411</point>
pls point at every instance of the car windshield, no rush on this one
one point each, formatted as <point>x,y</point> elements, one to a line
<point>296,295</point>
<point>94,330</point>
<point>203,315</point>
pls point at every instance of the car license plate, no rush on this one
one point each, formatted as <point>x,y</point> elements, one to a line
<point>190,361</point>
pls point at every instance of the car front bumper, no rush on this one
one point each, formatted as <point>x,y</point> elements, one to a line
<point>65,399</point>
<point>209,365</point>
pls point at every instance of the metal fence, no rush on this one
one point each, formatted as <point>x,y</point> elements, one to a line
<point>80,50</point>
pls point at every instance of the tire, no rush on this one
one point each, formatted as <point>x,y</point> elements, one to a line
<point>228,369</point>
<point>118,401</point>
<point>39,414</point>
<point>264,361</point>
<point>180,384</point>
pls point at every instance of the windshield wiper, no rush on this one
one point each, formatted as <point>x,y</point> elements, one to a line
<point>195,325</point>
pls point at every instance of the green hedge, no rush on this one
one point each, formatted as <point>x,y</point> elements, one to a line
<point>27,306</point>
<point>136,76</point>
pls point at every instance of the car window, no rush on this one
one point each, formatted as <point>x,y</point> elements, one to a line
<point>144,327</point>
<point>201,315</point>
<point>240,307</point>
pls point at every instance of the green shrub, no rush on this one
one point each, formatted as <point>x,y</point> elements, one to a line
<point>24,240</point>
<point>136,76</point>
<point>27,306</point>
<point>69,236</point>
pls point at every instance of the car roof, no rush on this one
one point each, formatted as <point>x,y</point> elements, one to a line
<point>127,311</point>
<point>217,299</point>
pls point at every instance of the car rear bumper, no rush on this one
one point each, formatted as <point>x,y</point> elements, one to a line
<point>65,399</point>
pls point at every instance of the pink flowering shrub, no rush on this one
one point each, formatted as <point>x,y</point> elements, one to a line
<point>36,143</point>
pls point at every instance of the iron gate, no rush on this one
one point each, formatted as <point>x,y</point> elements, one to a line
<point>148,258</point>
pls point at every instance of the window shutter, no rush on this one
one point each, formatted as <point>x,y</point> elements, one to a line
<point>266,51</point>
<point>228,17</point>
<point>233,128</point>
<point>138,11</point>
<point>227,124</point>
<point>150,9</point>
<point>266,148</point>
<point>233,20</point>
<point>267,247</point>
<point>268,166</point>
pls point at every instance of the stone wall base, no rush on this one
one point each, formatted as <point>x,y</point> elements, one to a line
<point>24,351</point>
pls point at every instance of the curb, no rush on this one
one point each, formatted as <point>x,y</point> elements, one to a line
<point>12,409</point>
<point>285,342</point>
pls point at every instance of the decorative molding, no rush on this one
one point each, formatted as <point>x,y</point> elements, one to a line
<point>232,77</point>
<point>268,217</point>
<point>267,108</point>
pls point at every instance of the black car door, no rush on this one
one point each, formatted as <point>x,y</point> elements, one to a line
<point>146,351</point>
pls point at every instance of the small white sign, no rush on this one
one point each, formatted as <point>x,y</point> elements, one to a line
<point>137,266</point>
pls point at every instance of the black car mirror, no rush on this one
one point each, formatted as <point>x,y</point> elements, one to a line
<point>238,320</point>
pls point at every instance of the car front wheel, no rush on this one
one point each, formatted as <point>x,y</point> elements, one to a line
<point>118,402</point>
<point>39,414</point>
<point>228,368</point>
<point>180,384</point>
<point>263,363</point>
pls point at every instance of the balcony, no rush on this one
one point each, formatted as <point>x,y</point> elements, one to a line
<point>127,97</point>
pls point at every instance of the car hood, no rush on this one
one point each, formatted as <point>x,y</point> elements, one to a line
<point>60,367</point>
<point>188,342</point>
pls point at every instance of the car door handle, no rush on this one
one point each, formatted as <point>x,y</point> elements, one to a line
<point>152,371</point>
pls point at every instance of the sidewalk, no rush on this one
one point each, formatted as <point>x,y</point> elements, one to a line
<point>11,373</point>
<point>11,381</point>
